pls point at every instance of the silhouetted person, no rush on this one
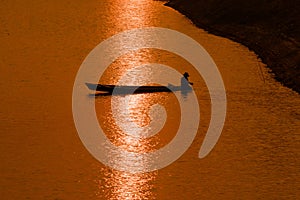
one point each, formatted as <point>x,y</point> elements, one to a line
<point>185,84</point>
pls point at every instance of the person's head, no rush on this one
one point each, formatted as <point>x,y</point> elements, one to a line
<point>186,74</point>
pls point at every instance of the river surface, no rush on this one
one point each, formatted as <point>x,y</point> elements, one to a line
<point>43,44</point>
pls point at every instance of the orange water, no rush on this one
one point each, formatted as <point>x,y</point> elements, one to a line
<point>43,44</point>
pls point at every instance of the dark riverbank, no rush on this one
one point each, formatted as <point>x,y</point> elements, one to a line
<point>270,28</point>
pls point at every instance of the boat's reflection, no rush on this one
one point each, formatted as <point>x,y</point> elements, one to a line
<point>184,93</point>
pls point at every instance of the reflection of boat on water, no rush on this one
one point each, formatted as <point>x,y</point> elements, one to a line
<point>119,89</point>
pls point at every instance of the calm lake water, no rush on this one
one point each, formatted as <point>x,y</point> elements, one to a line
<point>43,44</point>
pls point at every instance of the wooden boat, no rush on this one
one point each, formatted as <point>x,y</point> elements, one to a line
<point>131,89</point>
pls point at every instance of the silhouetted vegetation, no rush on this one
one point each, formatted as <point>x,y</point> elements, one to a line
<point>269,27</point>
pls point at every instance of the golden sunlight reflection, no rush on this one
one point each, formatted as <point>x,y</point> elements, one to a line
<point>140,115</point>
<point>130,16</point>
<point>122,185</point>
<point>136,114</point>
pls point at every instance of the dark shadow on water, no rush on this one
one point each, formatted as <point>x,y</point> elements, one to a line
<point>103,94</point>
<point>184,93</point>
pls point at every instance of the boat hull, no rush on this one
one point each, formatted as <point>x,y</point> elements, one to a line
<point>131,89</point>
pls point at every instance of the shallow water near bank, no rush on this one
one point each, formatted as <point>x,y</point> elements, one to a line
<point>43,46</point>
